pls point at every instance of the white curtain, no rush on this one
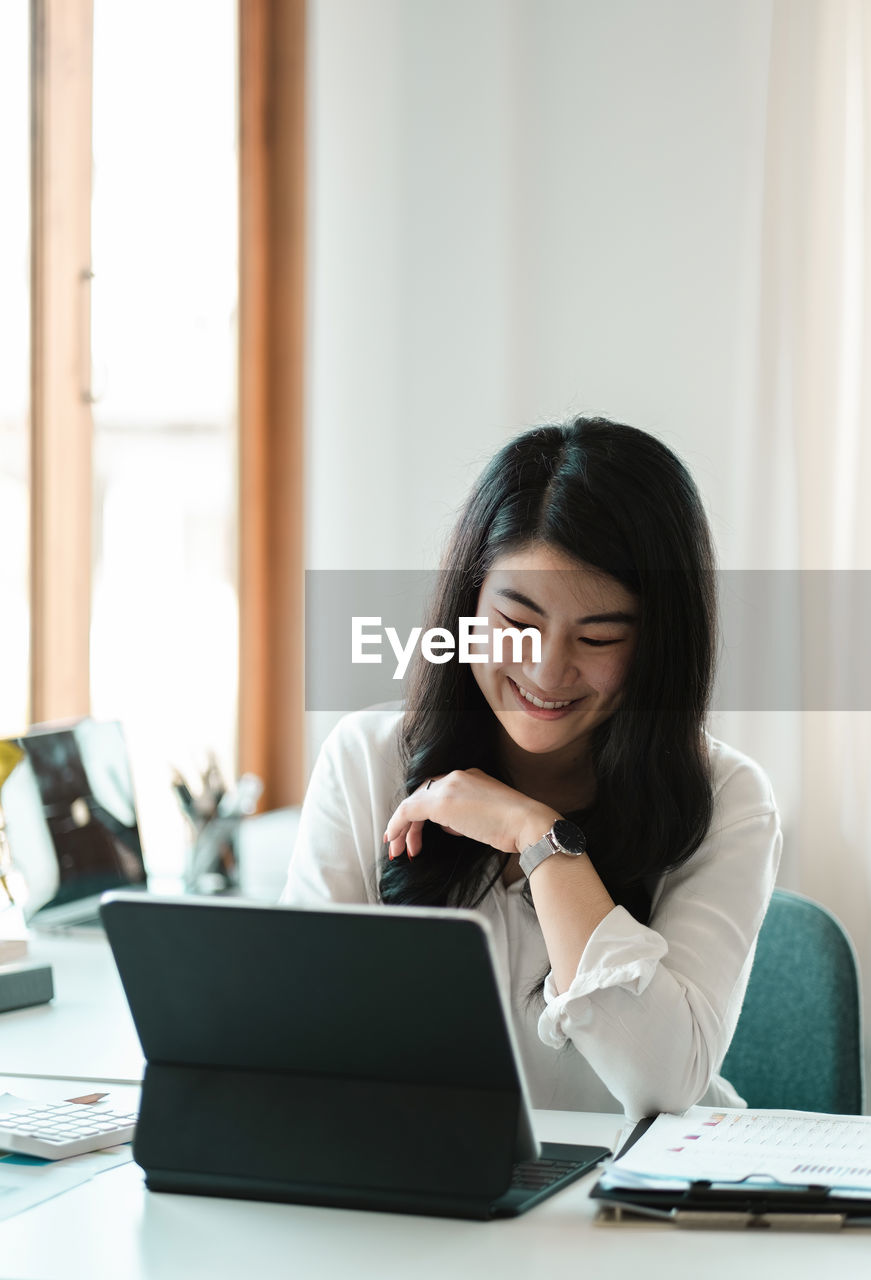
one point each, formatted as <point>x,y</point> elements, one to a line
<point>806,455</point>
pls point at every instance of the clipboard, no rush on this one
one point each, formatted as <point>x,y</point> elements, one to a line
<point>729,1205</point>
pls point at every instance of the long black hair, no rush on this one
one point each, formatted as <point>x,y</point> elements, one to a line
<point>617,500</point>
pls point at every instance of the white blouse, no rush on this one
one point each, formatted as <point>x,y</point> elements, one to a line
<point>648,1018</point>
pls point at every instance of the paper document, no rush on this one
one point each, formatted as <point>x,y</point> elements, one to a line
<point>726,1145</point>
<point>27,1180</point>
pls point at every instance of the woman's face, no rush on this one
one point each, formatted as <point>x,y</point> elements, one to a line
<point>588,625</point>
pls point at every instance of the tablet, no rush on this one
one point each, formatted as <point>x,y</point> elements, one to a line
<point>358,1056</point>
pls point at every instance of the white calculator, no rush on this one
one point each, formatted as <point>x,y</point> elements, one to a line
<point>55,1130</point>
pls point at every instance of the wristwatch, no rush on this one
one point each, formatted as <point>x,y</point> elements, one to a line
<point>563,837</point>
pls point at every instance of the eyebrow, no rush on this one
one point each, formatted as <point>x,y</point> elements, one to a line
<point>618,615</point>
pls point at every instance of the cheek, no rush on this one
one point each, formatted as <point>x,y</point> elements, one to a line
<point>610,673</point>
<point>482,674</point>
<point>495,665</point>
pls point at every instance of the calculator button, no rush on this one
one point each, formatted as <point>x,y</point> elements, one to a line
<point>54,1129</point>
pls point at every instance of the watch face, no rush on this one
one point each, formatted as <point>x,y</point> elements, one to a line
<point>569,836</point>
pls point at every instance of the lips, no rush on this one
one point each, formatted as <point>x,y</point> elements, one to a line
<point>539,702</point>
<point>550,709</point>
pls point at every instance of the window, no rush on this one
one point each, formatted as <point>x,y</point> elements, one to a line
<point>148,474</point>
<point>15,362</point>
<point>163,322</point>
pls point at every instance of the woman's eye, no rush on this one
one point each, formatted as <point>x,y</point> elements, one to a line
<point>521,626</point>
<point>591,641</point>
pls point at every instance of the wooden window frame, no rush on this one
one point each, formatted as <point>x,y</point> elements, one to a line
<point>61,429</point>
<point>272,59</point>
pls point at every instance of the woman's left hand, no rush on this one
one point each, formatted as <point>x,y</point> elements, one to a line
<point>468,802</point>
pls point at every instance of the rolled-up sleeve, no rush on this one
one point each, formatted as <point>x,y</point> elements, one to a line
<point>653,1007</point>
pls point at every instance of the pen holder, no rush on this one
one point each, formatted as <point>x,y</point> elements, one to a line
<point>212,864</point>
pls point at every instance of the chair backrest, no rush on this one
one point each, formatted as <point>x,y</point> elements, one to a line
<point>798,1043</point>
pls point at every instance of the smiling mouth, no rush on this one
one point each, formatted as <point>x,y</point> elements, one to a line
<point>540,703</point>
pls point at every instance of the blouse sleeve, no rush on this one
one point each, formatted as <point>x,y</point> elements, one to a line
<point>346,806</point>
<point>653,1008</point>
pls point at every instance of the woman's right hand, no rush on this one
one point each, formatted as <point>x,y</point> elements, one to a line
<point>468,802</point>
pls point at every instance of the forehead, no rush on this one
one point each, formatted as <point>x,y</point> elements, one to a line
<point>557,582</point>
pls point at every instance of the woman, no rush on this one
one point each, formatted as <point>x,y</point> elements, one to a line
<point>624,858</point>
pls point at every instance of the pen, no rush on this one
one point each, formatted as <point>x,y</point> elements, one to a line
<point>214,787</point>
<point>185,799</point>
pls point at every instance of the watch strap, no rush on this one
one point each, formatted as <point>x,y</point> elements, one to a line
<point>534,854</point>
<point>563,837</point>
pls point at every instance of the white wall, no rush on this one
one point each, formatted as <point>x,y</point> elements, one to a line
<point>521,209</point>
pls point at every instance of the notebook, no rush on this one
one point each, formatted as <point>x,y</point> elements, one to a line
<point>359,1056</point>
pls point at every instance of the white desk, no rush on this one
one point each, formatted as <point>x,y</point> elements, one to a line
<point>86,1032</point>
<point>113,1229</point>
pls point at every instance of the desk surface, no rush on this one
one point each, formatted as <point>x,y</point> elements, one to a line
<point>86,1032</point>
<point>113,1228</point>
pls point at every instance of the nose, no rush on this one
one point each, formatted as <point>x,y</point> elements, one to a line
<point>558,669</point>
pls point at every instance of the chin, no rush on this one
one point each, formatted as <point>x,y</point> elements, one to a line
<point>541,743</point>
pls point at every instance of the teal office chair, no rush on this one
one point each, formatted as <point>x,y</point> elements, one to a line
<point>798,1043</point>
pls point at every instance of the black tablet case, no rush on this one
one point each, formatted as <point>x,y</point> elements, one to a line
<point>355,1057</point>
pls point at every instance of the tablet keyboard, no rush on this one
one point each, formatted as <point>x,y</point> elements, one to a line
<point>540,1175</point>
<point>55,1130</point>
<point>534,1180</point>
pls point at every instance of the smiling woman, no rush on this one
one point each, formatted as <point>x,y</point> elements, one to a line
<point>588,625</point>
<point>569,791</point>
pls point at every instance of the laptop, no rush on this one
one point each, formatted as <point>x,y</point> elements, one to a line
<point>360,1057</point>
<point>70,813</point>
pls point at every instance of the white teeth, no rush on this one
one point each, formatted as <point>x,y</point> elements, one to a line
<point>537,702</point>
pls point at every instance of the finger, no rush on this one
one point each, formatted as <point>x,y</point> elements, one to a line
<point>417,807</point>
<point>398,839</point>
<point>409,817</point>
<point>395,839</point>
<point>398,824</point>
<point>396,848</point>
<point>414,839</point>
<point>409,839</point>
